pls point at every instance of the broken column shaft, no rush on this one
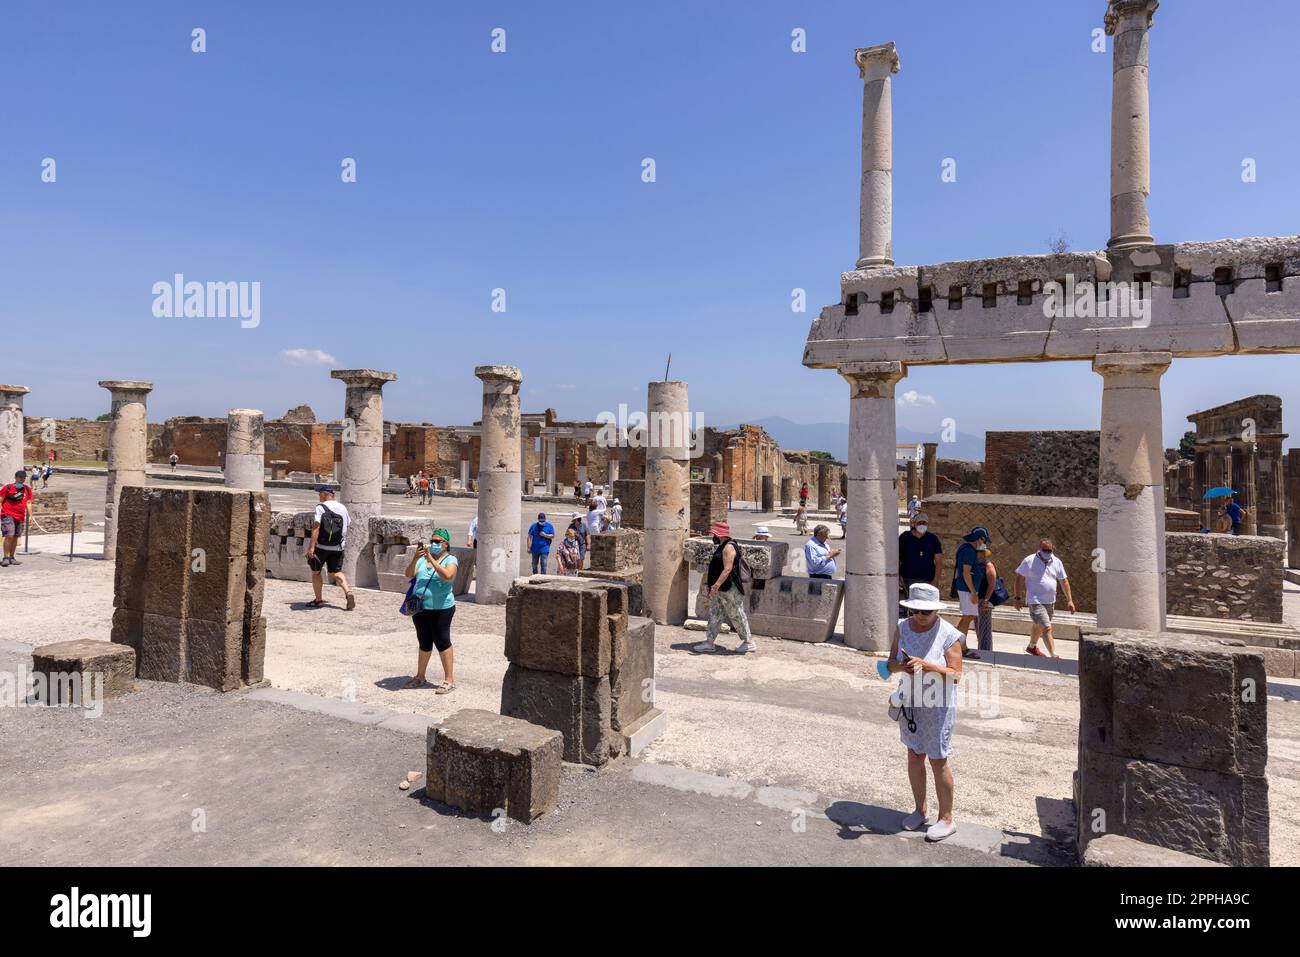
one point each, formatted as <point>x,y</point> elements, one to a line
<point>499,484</point>
<point>128,434</point>
<point>361,468</point>
<point>245,450</point>
<point>667,519</point>
<point>11,431</point>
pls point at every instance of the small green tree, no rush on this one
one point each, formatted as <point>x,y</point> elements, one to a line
<point>1187,445</point>
<point>104,418</point>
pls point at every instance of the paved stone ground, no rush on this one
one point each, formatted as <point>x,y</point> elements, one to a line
<point>307,771</point>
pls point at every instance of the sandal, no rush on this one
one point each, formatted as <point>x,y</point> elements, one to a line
<point>315,603</point>
<point>415,683</point>
<point>445,688</point>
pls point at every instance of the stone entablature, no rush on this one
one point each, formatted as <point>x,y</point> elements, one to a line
<point>1233,296</point>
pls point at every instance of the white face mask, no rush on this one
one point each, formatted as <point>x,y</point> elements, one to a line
<point>923,528</point>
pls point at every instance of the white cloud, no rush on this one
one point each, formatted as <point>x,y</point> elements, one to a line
<point>911,399</point>
<point>308,357</point>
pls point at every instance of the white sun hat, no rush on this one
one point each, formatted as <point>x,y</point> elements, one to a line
<point>922,597</point>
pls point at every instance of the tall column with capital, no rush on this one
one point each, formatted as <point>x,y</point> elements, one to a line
<point>361,464</point>
<point>499,502</point>
<point>871,553</point>
<point>1131,492</point>
<point>245,462</point>
<point>667,507</point>
<point>875,239</point>
<point>128,442</point>
<point>1128,21</point>
<point>11,431</point>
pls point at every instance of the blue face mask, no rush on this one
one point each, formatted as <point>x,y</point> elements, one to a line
<point>435,547</point>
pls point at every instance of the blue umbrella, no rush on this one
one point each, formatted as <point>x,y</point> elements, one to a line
<point>1219,491</point>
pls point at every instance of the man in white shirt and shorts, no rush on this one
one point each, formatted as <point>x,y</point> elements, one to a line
<point>1037,577</point>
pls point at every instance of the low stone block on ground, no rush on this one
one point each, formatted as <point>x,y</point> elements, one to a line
<point>1113,850</point>
<point>800,609</point>
<point>485,763</point>
<point>1173,744</point>
<point>617,550</point>
<point>102,669</point>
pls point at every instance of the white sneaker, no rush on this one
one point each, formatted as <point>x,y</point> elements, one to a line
<point>914,821</point>
<point>939,830</point>
<point>745,647</point>
<point>704,646</point>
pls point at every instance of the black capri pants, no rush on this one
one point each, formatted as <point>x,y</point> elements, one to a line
<point>433,628</point>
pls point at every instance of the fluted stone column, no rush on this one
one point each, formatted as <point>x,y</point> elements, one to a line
<point>245,450</point>
<point>667,518</point>
<point>871,555</point>
<point>1269,489</point>
<point>128,441</point>
<point>875,66</point>
<point>499,500</point>
<point>361,466</point>
<point>1131,492</point>
<point>1128,21</point>
<point>1249,470</point>
<point>11,431</point>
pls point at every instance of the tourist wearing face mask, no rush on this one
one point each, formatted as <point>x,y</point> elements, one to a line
<point>433,569</point>
<point>968,581</point>
<point>14,512</point>
<point>920,556</point>
<point>1038,577</point>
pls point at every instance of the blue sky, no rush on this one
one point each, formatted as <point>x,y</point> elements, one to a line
<point>522,170</point>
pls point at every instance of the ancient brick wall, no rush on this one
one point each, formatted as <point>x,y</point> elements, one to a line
<point>1061,462</point>
<point>73,438</point>
<point>708,505</point>
<point>631,495</point>
<point>307,447</point>
<point>1235,577</point>
<point>957,475</point>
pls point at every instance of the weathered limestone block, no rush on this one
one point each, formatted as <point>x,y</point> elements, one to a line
<point>1173,744</point>
<point>766,559</point>
<point>1237,577</point>
<point>801,609</point>
<point>617,550</point>
<point>553,626</point>
<point>579,708</point>
<point>632,673</point>
<point>101,668</point>
<point>1112,850</point>
<point>482,762</point>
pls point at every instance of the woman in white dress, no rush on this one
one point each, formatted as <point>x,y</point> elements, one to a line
<point>927,651</point>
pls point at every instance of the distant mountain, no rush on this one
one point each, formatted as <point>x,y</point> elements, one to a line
<point>833,437</point>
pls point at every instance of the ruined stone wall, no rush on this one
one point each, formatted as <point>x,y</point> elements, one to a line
<point>307,447</point>
<point>73,438</point>
<point>424,446</point>
<point>1234,577</point>
<point>1061,462</point>
<point>956,475</point>
<point>195,440</point>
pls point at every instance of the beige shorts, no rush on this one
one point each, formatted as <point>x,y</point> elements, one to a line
<point>1041,615</point>
<point>970,606</point>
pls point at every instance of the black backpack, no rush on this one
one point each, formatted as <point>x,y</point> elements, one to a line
<point>331,528</point>
<point>742,576</point>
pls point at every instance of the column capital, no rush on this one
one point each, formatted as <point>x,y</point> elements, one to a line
<point>877,62</point>
<point>364,377</point>
<point>1118,11</point>
<point>126,385</point>
<point>872,379</point>
<point>15,389</point>
<point>1110,364</point>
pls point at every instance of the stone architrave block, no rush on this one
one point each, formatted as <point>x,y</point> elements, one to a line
<point>800,609</point>
<point>484,763</point>
<point>1173,744</point>
<point>766,559</point>
<point>102,668</point>
<point>579,708</point>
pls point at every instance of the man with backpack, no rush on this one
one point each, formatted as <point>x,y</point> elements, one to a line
<point>727,577</point>
<point>15,509</point>
<point>329,536</point>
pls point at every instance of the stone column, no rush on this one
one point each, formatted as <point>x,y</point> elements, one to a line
<point>930,470</point>
<point>11,431</point>
<point>615,466</point>
<point>766,496</point>
<point>525,444</point>
<point>361,466</point>
<point>911,480</point>
<point>667,477</point>
<point>1131,492</point>
<point>1130,123</point>
<point>1200,483</point>
<point>875,244</point>
<point>823,485</point>
<point>871,555</point>
<point>1269,488</point>
<point>128,449</point>
<point>1292,470</point>
<point>498,485</point>
<point>1249,470</point>
<point>464,463</point>
<point>787,492</point>
<point>552,486</point>
<point>245,450</point>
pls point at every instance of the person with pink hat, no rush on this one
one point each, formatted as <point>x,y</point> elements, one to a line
<point>726,591</point>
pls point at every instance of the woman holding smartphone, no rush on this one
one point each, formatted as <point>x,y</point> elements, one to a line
<point>433,569</point>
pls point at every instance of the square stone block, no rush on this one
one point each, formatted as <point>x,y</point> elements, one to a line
<point>165,580</point>
<point>482,762</point>
<point>632,675</point>
<point>218,592</point>
<point>219,522</point>
<point>555,626</point>
<point>162,655</point>
<point>128,627</point>
<point>578,707</point>
<point>129,577</point>
<point>214,650</point>
<point>167,525</point>
<point>100,668</point>
<point>1174,699</point>
<point>800,609</point>
<point>132,518</point>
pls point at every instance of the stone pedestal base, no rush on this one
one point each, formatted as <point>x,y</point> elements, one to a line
<point>79,671</point>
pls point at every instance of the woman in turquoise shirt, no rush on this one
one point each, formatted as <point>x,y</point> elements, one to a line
<point>433,568</point>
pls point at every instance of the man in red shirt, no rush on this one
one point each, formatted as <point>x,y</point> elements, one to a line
<point>15,506</point>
